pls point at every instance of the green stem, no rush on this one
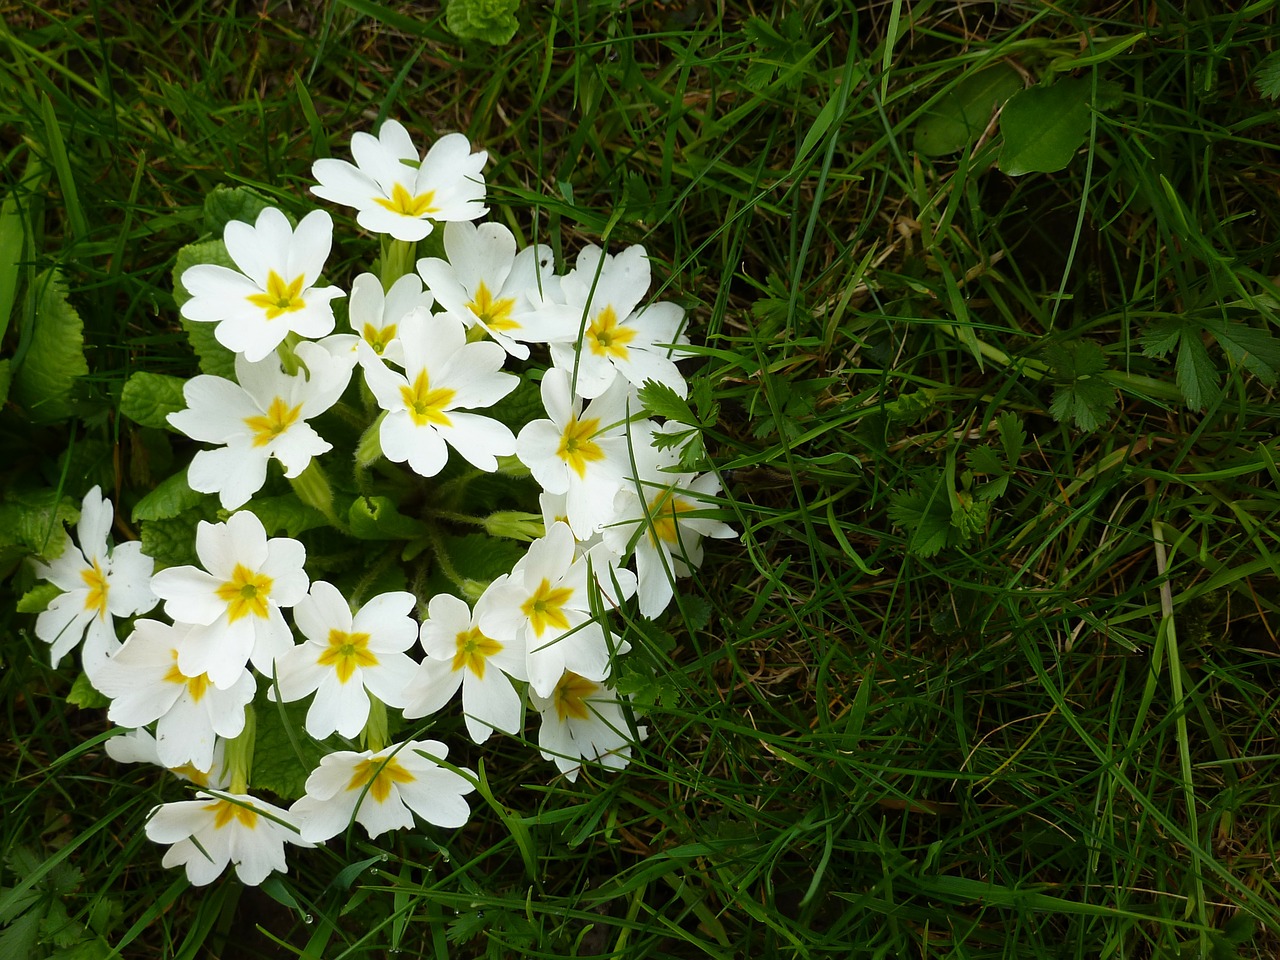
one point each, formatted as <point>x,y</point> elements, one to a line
<point>399,257</point>
<point>239,753</point>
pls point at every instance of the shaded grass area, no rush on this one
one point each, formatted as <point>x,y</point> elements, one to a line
<point>1050,736</point>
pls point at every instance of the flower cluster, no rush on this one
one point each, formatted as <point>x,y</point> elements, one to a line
<point>437,341</point>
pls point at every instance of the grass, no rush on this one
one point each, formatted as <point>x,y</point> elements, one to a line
<point>1052,737</point>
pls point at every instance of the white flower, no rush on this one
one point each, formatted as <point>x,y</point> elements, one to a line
<point>100,584</point>
<point>580,453</point>
<point>211,831</point>
<point>442,373</point>
<point>381,791</point>
<point>376,316</point>
<point>394,193</point>
<point>262,417</point>
<point>271,295</point>
<point>145,684</point>
<point>486,283</point>
<point>545,606</point>
<point>345,658</point>
<point>459,654</point>
<point>235,604</point>
<point>139,746</point>
<point>582,720</point>
<point>618,336</point>
<point>655,518</point>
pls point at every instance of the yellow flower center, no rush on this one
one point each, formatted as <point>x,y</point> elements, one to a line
<point>474,648</point>
<point>569,695</point>
<point>664,511</point>
<point>424,404</point>
<point>245,594</point>
<point>380,775</point>
<point>345,652</point>
<point>196,686</point>
<point>606,338</point>
<point>280,297</point>
<point>577,448</point>
<point>496,314</point>
<point>544,608</point>
<point>193,773</point>
<point>407,204</point>
<point>96,581</point>
<point>228,811</point>
<point>274,422</point>
<point>378,339</point>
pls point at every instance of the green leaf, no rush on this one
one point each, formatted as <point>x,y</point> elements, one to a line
<point>6,376</point>
<point>33,519</point>
<point>925,514</point>
<point>214,357</point>
<point>224,204</point>
<point>84,695</point>
<point>172,541</point>
<point>1081,396</point>
<point>148,398</point>
<point>1197,377</point>
<point>661,401</point>
<point>521,406</point>
<point>492,21</point>
<point>171,497</point>
<point>960,116</point>
<point>1267,77</point>
<point>1255,350</point>
<point>284,754</point>
<point>1043,127</point>
<point>38,598</point>
<point>1012,437</point>
<point>20,937</point>
<point>378,518</point>
<point>773,51</point>
<point>55,355</point>
<point>1162,336</point>
<point>481,558</point>
<point>286,515</point>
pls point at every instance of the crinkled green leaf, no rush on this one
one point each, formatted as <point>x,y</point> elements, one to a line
<point>492,21</point>
<point>38,598</point>
<point>1254,349</point>
<point>84,695</point>
<point>285,515</point>
<point>33,519</point>
<point>1267,77</point>
<point>214,357</point>
<point>171,497</point>
<point>924,513</point>
<point>224,204</point>
<point>172,541</point>
<point>283,753</point>
<point>20,937</point>
<point>1162,336</point>
<point>55,355</point>
<point>1081,396</point>
<point>961,114</point>
<point>148,398</point>
<point>1012,437</point>
<point>378,518</point>
<point>1197,377</point>
<point>479,557</point>
<point>521,406</point>
<point>1043,127</point>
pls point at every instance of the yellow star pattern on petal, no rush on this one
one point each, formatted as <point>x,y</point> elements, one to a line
<point>496,314</point>
<point>96,581</point>
<point>278,418</point>
<point>606,338</point>
<point>577,448</point>
<point>380,775</point>
<point>228,811</point>
<point>426,405</point>
<point>245,594</point>
<point>407,204</point>
<point>345,652</point>
<point>545,608</point>
<point>474,648</point>
<point>196,686</point>
<point>569,694</point>
<point>280,297</point>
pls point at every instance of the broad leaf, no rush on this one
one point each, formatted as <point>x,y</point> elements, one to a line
<point>224,204</point>
<point>171,497</point>
<point>961,115</point>
<point>1043,127</point>
<point>214,357</point>
<point>148,398</point>
<point>492,21</point>
<point>1081,396</point>
<point>55,355</point>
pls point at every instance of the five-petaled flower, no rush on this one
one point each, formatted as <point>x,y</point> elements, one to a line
<point>582,720</point>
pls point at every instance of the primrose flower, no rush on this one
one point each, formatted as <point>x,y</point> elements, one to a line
<point>214,830</point>
<point>100,584</point>
<point>544,605</point>
<point>271,294</point>
<point>345,658</point>
<point>382,791</point>
<point>459,654</point>
<point>580,453</point>
<point>139,746</point>
<point>487,284</point>
<point>394,193</point>
<point>235,602</point>
<point>145,685</point>
<point>442,373</point>
<point>582,720</point>
<point>619,338</point>
<point>263,416</point>
<point>655,518</point>
<point>376,316</point>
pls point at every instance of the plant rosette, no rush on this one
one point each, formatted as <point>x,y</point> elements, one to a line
<point>448,504</point>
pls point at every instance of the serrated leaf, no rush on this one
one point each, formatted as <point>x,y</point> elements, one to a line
<point>1012,437</point>
<point>925,514</point>
<point>171,497</point>
<point>148,398</point>
<point>277,765</point>
<point>1197,377</point>
<point>55,355</point>
<point>1162,336</point>
<point>661,401</point>
<point>84,695</point>
<point>984,459</point>
<point>214,357</point>
<point>1086,401</point>
<point>223,204</point>
<point>1255,350</point>
<point>492,21</point>
<point>1267,77</point>
<point>961,114</point>
<point>1043,127</point>
<point>38,598</point>
<point>20,937</point>
<point>285,515</point>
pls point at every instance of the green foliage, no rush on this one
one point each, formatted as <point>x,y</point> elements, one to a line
<point>964,111</point>
<point>170,497</point>
<point>215,359</point>
<point>1267,76</point>
<point>284,754</point>
<point>31,523</point>
<point>224,204</point>
<point>84,695</point>
<point>37,598</point>
<point>54,357</point>
<point>1082,395</point>
<point>37,924</point>
<point>776,52</point>
<point>148,398</point>
<point>1043,126</point>
<point>493,21</point>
